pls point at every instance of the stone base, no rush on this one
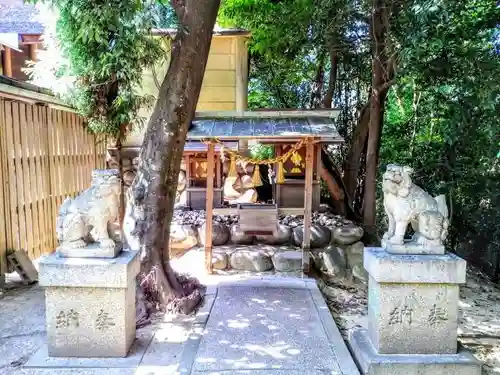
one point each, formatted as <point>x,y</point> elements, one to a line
<point>372,363</point>
<point>413,248</point>
<point>90,305</point>
<point>92,250</point>
<point>413,302</point>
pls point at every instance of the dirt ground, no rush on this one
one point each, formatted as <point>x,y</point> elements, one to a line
<point>479,316</point>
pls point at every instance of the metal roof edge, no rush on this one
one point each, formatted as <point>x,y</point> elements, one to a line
<point>29,93</point>
<point>272,113</point>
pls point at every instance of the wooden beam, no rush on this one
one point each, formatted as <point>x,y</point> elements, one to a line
<point>278,150</point>
<point>308,192</point>
<point>4,196</point>
<point>218,171</point>
<point>318,163</point>
<point>209,207</point>
<point>32,49</point>
<point>32,97</point>
<point>7,61</point>
<point>281,211</point>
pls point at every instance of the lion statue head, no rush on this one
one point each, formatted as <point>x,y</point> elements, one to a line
<point>106,181</point>
<point>397,180</point>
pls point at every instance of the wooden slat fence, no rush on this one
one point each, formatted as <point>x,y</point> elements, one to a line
<point>46,154</point>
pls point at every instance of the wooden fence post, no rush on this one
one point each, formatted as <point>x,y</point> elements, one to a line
<point>4,199</point>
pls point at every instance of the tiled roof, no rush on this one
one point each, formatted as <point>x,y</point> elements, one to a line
<point>19,18</point>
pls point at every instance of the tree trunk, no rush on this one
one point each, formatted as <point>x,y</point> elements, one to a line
<point>377,104</point>
<point>332,80</point>
<point>152,194</point>
<point>352,163</point>
<point>317,85</point>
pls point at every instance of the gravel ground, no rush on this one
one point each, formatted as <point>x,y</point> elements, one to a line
<point>479,322</point>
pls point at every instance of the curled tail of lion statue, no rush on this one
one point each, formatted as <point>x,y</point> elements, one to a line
<point>443,210</point>
<point>61,219</point>
<point>441,205</point>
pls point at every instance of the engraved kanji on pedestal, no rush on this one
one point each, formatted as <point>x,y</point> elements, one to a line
<point>89,305</point>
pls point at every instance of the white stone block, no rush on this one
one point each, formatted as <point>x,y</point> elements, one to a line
<point>413,318</point>
<point>90,305</point>
<point>92,250</point>
<point>88,272</point>
<point>373,363</point>
<point>394,268</point>
<point>410,247</point>
<point>413,302</point>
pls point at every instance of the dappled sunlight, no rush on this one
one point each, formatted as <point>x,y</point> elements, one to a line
<point>274,351</point>
<point>263,328</point>
<point>237,324</point>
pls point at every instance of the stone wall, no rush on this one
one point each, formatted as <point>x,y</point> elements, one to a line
<point>336,249</point>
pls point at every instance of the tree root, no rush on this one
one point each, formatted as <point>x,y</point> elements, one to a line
<point>148,301</point>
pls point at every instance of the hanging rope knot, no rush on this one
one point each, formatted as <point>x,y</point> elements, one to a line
<point>256,178</point>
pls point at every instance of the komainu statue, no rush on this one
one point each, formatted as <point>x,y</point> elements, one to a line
<point>89,217</point>
<point>406,203</point>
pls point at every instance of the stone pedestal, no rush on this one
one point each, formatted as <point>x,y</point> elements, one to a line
<point>413,316</point>
<point>90,304</point>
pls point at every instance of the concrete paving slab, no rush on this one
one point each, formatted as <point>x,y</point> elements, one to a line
<point>67,371</point>
<point>265,328</point>
<point>166,347</point>
<point>345,360</point>
<point>271,281</point>
<point>135,355</point>
<point>15,305</point>
<point>268,372</point>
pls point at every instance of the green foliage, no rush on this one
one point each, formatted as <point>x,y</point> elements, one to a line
<point>100,49</point>
<point>262,152</point>
<point>443,116</point>
<point>166,17</point>
<point>289,40</point>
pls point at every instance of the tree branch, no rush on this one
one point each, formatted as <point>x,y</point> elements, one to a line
<point>179,8</point>
<point>384,87</point>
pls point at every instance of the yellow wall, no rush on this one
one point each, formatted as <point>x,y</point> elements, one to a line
<point>224,85</point>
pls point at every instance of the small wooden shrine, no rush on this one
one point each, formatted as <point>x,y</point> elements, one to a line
<point>212,159</point>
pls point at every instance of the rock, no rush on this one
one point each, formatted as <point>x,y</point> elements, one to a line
<point>239,237</point>
<point>324,208</point>
<point>332,261</point>
<point>196,218</point>
<point>347,234</point>
<point>220,234</point>
<point>251,260</point>
<point>354,254</point>
<point>219,260</point>
<point>287,261</point>
<point>182,237</point>
<point>282,236</point>
<point>320,236</point>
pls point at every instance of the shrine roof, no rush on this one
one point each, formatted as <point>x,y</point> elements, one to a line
<point>197,146</point>
<point>268,125</point>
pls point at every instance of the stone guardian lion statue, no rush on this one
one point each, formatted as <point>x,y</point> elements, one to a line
<point>406,203</point>
<point>88,217</point>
